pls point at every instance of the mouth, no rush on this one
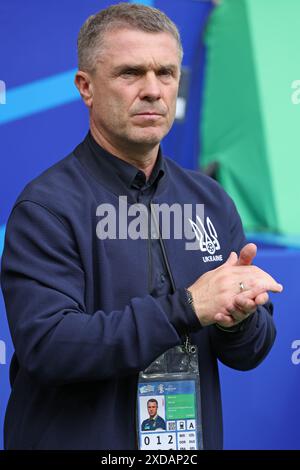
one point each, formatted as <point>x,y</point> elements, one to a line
<point>148,116</point>
<point>148,113</point>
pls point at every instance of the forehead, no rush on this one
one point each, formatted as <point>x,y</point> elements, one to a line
<point>134,46</point>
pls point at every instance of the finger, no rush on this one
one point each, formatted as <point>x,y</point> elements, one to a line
<point>263,285</point>
<point>239,317</point>
<point>224,320</point>
<point>243,309</point>
<point>245,304</point>
<point>247,254</point>
<point>232,259</point>
<point>261,299</point>
<point>273,286</point>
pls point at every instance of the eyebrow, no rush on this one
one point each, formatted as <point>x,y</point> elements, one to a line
<point>143,68</point>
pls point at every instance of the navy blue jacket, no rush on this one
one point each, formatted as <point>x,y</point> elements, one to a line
<point>82,320</point>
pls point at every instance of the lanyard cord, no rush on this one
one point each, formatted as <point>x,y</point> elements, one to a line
<point>186,339</point>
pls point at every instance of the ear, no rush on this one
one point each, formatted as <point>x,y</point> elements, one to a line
<point>84,85</point>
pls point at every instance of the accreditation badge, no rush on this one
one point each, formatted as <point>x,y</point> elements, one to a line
<point>169,402</point>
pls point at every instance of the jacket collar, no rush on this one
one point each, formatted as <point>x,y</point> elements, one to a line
<point>115,174</point>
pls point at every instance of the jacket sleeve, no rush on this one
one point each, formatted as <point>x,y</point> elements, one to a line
<point>56,340</point>
<point>245,348</point>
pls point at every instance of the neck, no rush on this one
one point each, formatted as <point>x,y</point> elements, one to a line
<point>142,157</point>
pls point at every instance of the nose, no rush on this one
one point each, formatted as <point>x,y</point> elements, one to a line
<point>151,87</point>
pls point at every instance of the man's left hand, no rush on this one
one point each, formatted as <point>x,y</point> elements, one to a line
<point>247,301</point>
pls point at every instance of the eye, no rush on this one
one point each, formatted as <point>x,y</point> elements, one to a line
<point>130,72</point>
<point>165,72</point>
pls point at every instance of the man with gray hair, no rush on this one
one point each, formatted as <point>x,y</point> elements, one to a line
<point>88,313</point>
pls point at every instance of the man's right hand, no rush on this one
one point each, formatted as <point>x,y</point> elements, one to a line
<point>217,294</point>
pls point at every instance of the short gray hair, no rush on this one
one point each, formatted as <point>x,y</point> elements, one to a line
<point>122,15</point>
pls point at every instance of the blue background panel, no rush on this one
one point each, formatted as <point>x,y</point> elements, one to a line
<point>38,39</point>
<point>33,144</point>
<point>261,407</point>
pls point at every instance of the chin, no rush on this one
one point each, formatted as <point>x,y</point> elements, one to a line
<point>153,138</point>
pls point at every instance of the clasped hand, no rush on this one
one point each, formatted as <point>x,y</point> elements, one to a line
<point>230,293</point>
